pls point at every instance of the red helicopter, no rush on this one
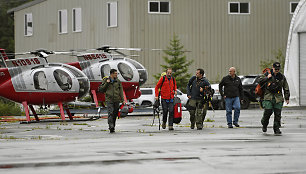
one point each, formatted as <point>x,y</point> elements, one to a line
<point>97,65</point>
<point>34,81</point>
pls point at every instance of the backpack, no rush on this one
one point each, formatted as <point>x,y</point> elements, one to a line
<point>259,90</point>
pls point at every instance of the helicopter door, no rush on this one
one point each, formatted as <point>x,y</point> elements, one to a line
<point>40,81</point>
<point>63,79</point>
<point>105,70</point>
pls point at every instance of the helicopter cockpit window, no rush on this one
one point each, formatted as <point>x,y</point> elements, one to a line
<point>143,76</point>
<point>63,79</point>
<point>40,81</point>
<point>77,74</point>
<point>105,69</point>
<point>126,71</point>
<point>136,64</point>
<point>2,65</point>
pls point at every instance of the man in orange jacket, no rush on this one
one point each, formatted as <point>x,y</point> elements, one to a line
<point>166,86</point>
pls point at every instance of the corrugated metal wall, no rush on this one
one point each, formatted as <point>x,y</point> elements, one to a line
<point>217,40</point>
<point>95,32</point>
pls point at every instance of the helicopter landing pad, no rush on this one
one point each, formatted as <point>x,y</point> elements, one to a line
<point>139,147</point>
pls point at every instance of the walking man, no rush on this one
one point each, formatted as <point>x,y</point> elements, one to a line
<point>195,92</point>
<point>166,87</point>
<point>113,90</point>
<point>232,95</point>
<point>273,82</point>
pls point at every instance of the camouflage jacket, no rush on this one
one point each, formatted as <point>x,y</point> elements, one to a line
<point>273,87</point>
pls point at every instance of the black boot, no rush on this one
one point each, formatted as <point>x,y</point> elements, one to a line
<point>277,132</point>
<point>264,128</point>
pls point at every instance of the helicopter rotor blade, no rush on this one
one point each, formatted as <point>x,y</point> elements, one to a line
<point>158,49</point>
<point>16,54</point>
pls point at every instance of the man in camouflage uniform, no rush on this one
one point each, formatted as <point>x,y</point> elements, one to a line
<point>113,90</point>
<point>273,82</point>
<point>197,105</point>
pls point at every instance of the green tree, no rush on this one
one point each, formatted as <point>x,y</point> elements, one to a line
<point>7,24</point>
<point>176,59</point>
<point>279,57</point>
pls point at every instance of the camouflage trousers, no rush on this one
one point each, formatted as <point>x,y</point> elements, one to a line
<point>271,106</point>
<point>197,112</point>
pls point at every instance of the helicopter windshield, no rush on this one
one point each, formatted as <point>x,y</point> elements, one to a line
<point>126,71</point>
<point>40,81</point>
<point>84,87</point>
<point>2,65</point>
<point>74,72</point>
<point>63,79</point>
<point>105,70</point>
<point>136,64</point>
<point>143,76</point>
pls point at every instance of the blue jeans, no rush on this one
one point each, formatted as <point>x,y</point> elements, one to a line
<point>232,103</point>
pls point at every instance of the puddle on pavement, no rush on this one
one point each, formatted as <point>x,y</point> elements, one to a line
<point>247,140</point>
<point>237,155</point>
<point>103,162</point>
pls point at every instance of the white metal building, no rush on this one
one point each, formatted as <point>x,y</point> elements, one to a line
<point>295,66</point>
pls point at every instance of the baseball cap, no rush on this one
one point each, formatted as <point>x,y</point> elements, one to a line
<point>276,65</point>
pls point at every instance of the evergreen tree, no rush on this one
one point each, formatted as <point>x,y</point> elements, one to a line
<point>7,24</point>
<point>176,59</point>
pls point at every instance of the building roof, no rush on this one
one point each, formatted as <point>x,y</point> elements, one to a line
<point>26,5</point>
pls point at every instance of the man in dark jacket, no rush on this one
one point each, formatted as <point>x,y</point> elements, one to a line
<point>232,94</point>
<point>273,83</point>
<point>113,90</point>
<point>196,92</point>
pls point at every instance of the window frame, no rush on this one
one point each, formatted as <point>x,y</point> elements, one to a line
<point>109,14</point>
<point>239,13</point>
<point>25,19</point>
<point>290,6</point>
<point>74,20</point>
<point>60,21</point>
<point>169,3</point>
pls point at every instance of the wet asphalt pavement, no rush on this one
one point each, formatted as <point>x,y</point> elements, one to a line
<point>138,147</point>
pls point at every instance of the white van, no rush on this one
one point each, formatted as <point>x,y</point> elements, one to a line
<point>147,97</point>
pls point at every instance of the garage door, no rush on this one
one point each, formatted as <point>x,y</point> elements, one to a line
<point>302,69</point>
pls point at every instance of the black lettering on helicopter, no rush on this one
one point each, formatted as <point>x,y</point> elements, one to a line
<point>94,56</point>
<point>25,62</point>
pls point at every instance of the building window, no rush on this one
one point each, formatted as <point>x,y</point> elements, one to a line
<point>28,24</point>
<point>160,7</point>
<point>239,8</point>
<point>293,6</point>
<point>77,20</point>
<point>112,14</point>
<point>62,21</point>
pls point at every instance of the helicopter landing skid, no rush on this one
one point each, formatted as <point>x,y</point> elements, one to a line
<point>59,120</point>
<point>62,115</point>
